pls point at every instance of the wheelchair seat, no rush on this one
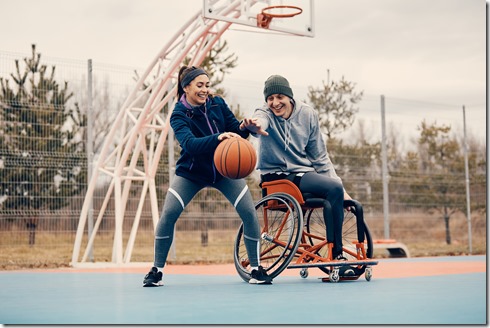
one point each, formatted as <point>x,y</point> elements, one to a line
<point>285,186</point>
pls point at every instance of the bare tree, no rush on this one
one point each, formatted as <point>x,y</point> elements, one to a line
<point>336,104</point>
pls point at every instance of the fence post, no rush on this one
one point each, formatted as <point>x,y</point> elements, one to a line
<point>384,160</point>
<point>467,178</point>
<point>90,154</point>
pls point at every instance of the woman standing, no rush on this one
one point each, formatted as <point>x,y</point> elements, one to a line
<point>200,122</point>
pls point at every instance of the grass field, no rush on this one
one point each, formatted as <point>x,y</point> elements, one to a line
<point>52,251</point>
<point>424,235</point>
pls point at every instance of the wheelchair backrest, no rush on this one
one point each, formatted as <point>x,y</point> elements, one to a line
<point>283,186</point>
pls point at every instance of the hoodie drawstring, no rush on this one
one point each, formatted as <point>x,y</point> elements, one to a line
<point>287,132</point>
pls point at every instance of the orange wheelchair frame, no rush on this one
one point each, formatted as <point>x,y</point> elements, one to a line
<point>293,233</point>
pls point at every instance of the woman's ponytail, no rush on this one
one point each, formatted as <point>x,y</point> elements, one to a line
<point>180,90</point>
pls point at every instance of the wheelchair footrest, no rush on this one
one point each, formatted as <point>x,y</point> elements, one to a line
<point>327,279</point>
<point>332,263</point>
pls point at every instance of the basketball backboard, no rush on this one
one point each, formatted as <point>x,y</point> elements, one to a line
<point>290,16</point>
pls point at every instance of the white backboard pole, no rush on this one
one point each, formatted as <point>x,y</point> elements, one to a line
<point>141,127</point>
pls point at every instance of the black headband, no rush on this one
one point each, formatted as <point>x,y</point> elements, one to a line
<point>191,76</point>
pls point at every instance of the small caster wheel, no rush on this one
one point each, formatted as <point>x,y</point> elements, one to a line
<point>368,274</point>
<point>334,275</point>
<point>304,273</point>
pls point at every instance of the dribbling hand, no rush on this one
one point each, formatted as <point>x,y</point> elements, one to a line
<point>227,135</point>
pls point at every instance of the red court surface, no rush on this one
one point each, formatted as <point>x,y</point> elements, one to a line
<point>386,268</point>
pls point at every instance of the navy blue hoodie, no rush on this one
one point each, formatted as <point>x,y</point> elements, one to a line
<point>197,130</point>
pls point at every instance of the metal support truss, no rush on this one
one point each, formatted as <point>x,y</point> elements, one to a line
<point>140,131</point>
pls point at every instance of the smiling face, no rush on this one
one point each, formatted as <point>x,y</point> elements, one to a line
<point>197,91</point>
<point>280,105</point>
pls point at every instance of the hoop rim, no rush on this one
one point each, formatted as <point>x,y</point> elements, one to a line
<point>266,14</point>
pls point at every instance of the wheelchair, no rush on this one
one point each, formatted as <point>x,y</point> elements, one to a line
<point>294,236</point>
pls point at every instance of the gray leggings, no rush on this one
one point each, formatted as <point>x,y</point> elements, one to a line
<point>181,193</point>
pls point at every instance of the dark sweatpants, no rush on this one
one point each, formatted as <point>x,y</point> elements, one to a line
<point>332,190</point>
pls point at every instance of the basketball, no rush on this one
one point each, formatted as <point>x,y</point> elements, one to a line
<point>235,158</point>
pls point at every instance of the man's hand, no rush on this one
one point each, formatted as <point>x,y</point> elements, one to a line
<point>253,126</point>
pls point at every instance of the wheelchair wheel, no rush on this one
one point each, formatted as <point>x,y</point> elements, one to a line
<point>281,222</point>
<point>315,228</point>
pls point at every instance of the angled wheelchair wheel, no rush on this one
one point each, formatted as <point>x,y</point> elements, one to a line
<point>354,229</point>
<point>281,222</point>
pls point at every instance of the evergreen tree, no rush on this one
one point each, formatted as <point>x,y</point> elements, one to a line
<point>41,153</point>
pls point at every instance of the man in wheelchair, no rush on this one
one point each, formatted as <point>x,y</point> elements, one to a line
<point>291,147</point>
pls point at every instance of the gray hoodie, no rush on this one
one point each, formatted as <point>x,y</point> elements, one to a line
<point>293,145</point>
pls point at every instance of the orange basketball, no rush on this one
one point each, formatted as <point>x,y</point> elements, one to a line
<point>235,158</point>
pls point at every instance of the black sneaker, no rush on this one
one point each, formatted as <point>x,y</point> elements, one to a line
<point>153,278</point>
<point>260,276</point>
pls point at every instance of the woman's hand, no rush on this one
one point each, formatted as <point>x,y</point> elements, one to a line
<point>227,135</point>
<point>253,126</point>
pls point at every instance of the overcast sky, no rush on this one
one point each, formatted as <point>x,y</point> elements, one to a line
<point>427,57</point>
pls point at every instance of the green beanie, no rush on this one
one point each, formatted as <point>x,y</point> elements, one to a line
<point>277,84</point>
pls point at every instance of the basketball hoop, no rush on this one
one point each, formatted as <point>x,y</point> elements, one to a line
<point>265,17</point>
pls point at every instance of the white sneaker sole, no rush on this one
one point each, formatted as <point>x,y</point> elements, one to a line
<point>259,282</point>
<point>158,284</point>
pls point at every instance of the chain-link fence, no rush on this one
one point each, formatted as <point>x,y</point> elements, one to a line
<point>45,172</point>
